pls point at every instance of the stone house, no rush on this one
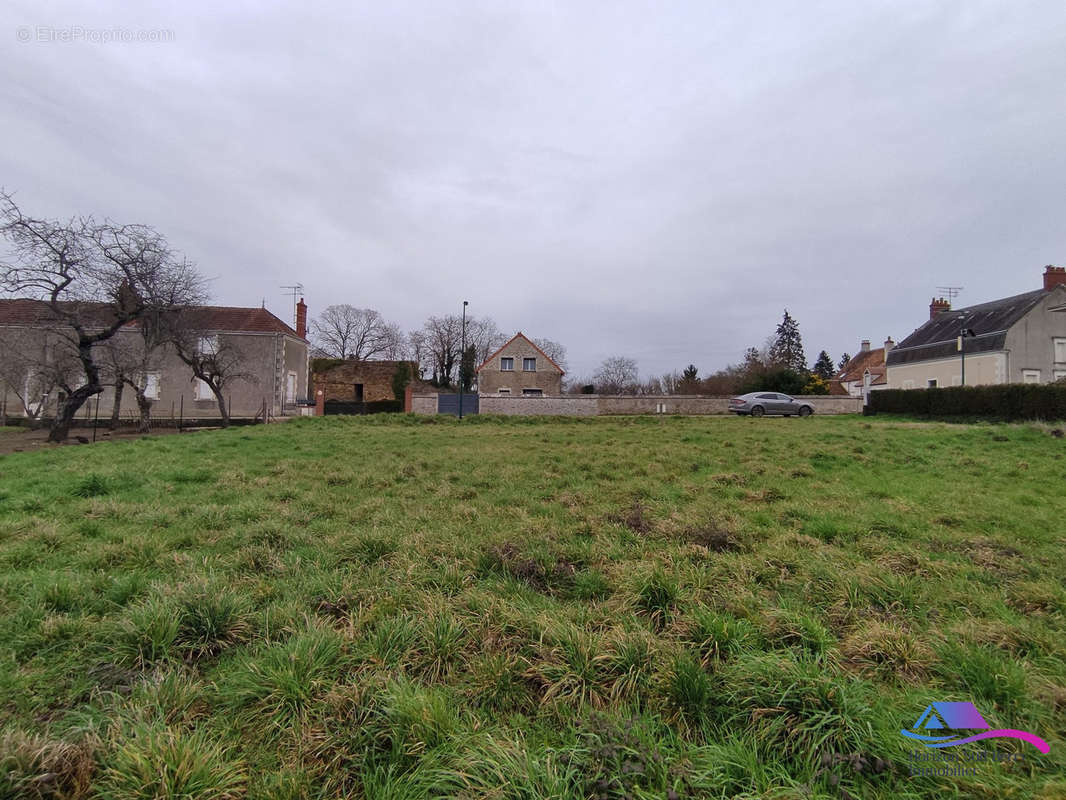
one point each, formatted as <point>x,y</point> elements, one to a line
<point>271,356</point>
<point>1019,339</point>
<point>520,368</point>
<point>352,381</point>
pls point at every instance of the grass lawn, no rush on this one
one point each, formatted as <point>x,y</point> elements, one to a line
<point>399,608</point>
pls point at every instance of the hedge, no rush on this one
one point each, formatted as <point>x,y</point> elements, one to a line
<point>372,407</point>
<point>1012,401</point>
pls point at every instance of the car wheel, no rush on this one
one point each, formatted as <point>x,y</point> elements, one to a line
<point>757,411</point>
<point>805,411</point>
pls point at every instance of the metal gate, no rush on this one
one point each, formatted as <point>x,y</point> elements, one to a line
<point>449,404</point>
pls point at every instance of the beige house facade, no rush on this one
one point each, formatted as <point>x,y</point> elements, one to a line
<point>271,360</point>
<point>1018,339</point>
<point>520,368</point>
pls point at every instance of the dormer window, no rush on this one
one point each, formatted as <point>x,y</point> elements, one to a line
<point>506,365</point>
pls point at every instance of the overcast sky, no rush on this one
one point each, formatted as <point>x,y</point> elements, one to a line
<point>650,179</point>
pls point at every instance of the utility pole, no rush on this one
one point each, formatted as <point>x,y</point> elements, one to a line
<point>462,355</point>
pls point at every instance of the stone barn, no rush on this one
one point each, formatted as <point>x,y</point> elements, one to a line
<point>352,381</point>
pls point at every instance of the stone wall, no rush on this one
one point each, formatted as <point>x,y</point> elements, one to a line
<point>608,405</point>
<point>591,405</point>
<point>697,405</point>
<point>573,405</point>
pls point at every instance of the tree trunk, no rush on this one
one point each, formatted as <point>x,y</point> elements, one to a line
<point>221,405</point>
<point>65,415</point>
<point>144,404</point>
<point>116,410</point>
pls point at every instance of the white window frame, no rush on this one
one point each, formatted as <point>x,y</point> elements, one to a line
<point>151,385</point>
<point>504,390</point>
<point>1059,374</point>
<point>1030,376</point>
<point>290,387</point>
<point>932,383</point>
<point>504,362</point>
<point>208,345</point>
<point>201,391</point>
<point>532,391</point>
<point>1059,347</point>
<point>526,360</point>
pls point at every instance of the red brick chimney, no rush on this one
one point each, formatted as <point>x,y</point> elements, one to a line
<point>1054,276</point>
<point>301,319</point>
<point>937,306</point>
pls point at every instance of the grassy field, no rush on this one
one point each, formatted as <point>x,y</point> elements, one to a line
<point>630,608</point>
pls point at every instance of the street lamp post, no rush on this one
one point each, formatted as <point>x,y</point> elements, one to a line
<point>963,334</point>
<point>462,355</point>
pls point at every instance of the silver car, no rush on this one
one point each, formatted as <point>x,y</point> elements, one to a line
<point>759,403</point>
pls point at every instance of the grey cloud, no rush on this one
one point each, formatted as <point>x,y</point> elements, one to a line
<point>658,180</point>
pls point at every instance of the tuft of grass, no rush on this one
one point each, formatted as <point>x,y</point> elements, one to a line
<point>689,689</point>
<point>657,596</point>
<point>33,766</point>
<point>157,761</point>
<point>279,683</point>
<point>590,585</point>
<point>91,485</point>
<point>718,636</point>
<point>211,620</point>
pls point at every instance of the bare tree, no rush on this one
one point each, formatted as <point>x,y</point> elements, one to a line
<point>617,375</point>
<point>36,365</point>
<point>213,359</point>
<point>344,331</point>
<point>418,350</point>
<point>440,342</point>
<point>484,336</point>
<point>671,383</point>
<point>442,338</point>
<point>95,278</point>
<point>553,350</point>
<point>395,343</point>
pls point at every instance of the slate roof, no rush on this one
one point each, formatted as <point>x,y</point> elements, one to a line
<point>232,319</point>
<point>989,321</point>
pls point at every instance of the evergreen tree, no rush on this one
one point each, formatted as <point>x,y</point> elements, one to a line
<point>844,359</point>
<point>823,367</point>
<point>787,348</point>
<point>690,381</point>
<point>467,365</point>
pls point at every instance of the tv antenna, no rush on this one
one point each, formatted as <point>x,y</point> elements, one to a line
<point>950,292</point>
<point>296,292</point>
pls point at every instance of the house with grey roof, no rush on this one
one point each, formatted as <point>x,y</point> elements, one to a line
<point>1019,339</point>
